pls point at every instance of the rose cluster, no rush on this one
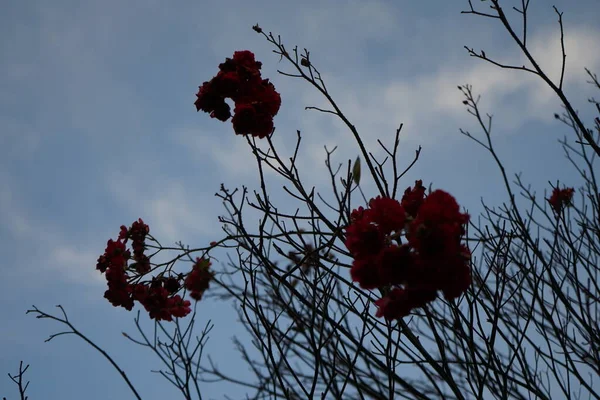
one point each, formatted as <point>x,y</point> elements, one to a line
<point>198,280</point>
<point>256,100</point>
<point>124,268</point>
<point>561,198</point>
<point>409,272</point>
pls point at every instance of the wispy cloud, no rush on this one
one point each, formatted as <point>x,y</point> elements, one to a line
<point>77,264</point>
<point>174,209</point>
<point>228,153</point>
<point>430,104</point>
<point>43,251</point>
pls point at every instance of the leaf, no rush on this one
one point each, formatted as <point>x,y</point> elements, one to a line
<point>356,171</point>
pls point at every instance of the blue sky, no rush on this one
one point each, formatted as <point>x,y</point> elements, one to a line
<point>98,128</point>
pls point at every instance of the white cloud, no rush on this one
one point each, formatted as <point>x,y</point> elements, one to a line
<point>580,46</point>
<point>173,213</point>
<point>76,264</point>
<point>430,104</point>
<point>229,154</point>
<point>43,249</point>
<point>175,210</point>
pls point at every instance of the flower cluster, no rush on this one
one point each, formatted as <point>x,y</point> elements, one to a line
<point>431,258</point>
<point>159,299</point>
<point>123,268</point>
<point>198,280</point>
<point>137,233</point>
<point>256,100</point>
<point>561,198</point>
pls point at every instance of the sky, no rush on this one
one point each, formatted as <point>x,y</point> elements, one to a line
<point>98,128</point>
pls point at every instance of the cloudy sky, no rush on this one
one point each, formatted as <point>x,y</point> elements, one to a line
<point>98,128</point>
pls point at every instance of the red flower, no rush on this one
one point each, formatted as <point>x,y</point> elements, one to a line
<point>199,279</point>
<point>210,101</point>
<point>396,264</point>
<point>158,296</point>
<point>155,301</point>
<point>102,264</point>
<point>123,232</point>
<point>118,293</point>
<point>138,230</point>
<point>365,272</point>
<point>226,84</point>
<point>363,238</point>
<point>450,273</point>
<point>142,264</point>
<point>413,272</point>
<point>242,63</point>
<point>178,307</point>
<point>270,98</point>
<point>399,302</point>
<point>457,277</point>
<point>262,95</point>
<point>245,59</point>
<point>438,226</point>
<point>113,264</point>
<point>256,100</point>
<point>119,297</point>
<point>391,266</point>
<point>222,112</point>
<point>115,254</point>
<point>561,198</point>
<point>357,214</point>
<point>139,292</point>
<point>249,120</point>
<point>412,198</point>
<point>387,213</point>
<point>172,285</point>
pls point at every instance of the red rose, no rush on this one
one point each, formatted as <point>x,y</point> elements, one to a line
<point>561,198</point>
